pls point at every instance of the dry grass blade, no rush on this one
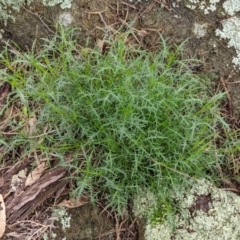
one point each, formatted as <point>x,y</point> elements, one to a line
<point>4,90</point>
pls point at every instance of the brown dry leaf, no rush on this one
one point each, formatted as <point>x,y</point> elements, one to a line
<point>31,193</point>
<point>14,234</point>
<point>2,216</point>
<point>142,33</point>
<point>35,174</point>
<point>74,202</point>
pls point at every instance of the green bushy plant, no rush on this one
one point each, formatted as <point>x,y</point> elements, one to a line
<point>132,119</point>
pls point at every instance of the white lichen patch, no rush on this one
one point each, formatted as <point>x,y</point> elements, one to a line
<point>231,6</point>
<point>200,30</point>
<point>208,213</point>
<point>63,3</point>
<point>17,180</point>
<point>203,5</point>
<point>65,19</point>
<point>9,7</point>
<point>231,31</point>
<point>143,203</point>
<point>209,6</point>
<point>61,215</point>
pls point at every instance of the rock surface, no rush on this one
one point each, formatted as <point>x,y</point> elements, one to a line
<point>209,213</point>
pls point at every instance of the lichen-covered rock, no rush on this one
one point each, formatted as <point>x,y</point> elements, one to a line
<point>9,8</point>
<point>208,213</point>
<point>231,31</point>
<point>231,6</point>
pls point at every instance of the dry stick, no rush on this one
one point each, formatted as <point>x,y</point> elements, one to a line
<point>166,4</point>
<point>124,21</point>
<point>233,82</point>
<point>41,135</point>
<point>108,233</point>
<point>119,228</point>
<point>147,9</point>
<point>116,230</point>
<point>9,45</point>
<point>104,210</point>
<point>100,15</point>
<point>224,180</point>
<point>130,27</point>
<point>129,5</point>
<point>227,92</point>
<point>39,17</point>
<point>133,222</point>
<point>176,171</point>
<point>29,221</point>
<point>236,165</point>
<point>126,17</point>
<point>42,228</point>
<point>5,121</point>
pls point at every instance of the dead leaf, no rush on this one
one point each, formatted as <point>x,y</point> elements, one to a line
<point>30,194</point>
<point>142,33</point>
<point>15,234</point>
<point>74,202</point>
<point>28,209</point>
<point>35,174</point>
<point>2,216</point>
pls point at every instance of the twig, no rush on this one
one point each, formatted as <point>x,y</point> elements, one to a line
<point>39,17</point>
<point>230,102</point>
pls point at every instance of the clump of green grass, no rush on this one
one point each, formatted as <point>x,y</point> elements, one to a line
<point>131,119</point>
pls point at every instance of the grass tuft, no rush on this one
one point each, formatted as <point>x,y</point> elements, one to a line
<point>131,119</point>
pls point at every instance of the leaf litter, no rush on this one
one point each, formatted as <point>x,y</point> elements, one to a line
<point>74,202</point>
<point>35,174</point>
<point>24,195</point>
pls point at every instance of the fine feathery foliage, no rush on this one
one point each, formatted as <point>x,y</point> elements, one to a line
<point>131,119</point>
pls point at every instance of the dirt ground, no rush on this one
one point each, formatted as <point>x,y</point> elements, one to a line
<point>96,18</point>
